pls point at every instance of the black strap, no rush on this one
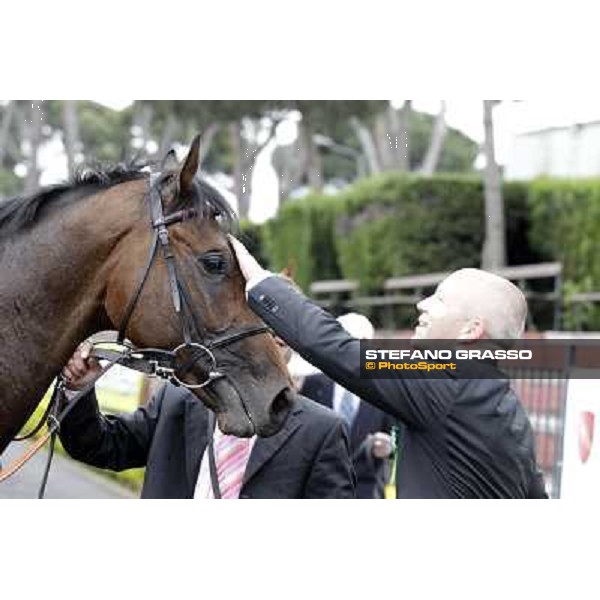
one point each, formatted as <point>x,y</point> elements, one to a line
<point>220,342</point>
<point>188,314</point>
<point>160,237</point>
<point>50,416</point>
<point>159,224</point>
<point>212,463</point>
<point>144,360</point>
<point>241,334</point>
<point>58,414</point>
<point>135,297</point>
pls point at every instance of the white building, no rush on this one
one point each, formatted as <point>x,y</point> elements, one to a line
<point>571,151</point>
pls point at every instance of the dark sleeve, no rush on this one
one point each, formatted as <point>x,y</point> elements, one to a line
<point>115,442</point>
<point>537,488</point>
<point>332,474</point>
<point>321,340</point>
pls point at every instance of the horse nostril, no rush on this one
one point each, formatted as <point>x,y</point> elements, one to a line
<point>282,403</point>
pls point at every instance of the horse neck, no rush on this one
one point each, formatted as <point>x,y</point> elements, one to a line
<point>52,283</point>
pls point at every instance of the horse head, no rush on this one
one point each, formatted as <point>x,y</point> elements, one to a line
<point>224,353</point>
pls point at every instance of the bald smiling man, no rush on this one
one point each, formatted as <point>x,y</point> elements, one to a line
<point>471,304</point>
<point>464,438</point>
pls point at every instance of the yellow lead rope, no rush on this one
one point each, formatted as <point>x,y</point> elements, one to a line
<point>389,490</point>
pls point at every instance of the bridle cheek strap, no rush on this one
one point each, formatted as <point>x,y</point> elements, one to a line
<point>180,296</point>
<point>160,236</point>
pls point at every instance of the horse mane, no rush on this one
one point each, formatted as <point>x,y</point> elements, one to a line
<point>210,203</point>
<point>20,212</point>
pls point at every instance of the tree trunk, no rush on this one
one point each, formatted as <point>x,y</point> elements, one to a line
<point>142,119</point>
<point>392,138</point>
<point>251,155</point>
<point>383,141</point>
<point>314,167</point>
<point>7,118</point>
<point>494,249</point>
<point>399,121</point>
<point>367,144</point>
<point>235,136</point>
<point>290,164</point>
<point>33,136</point>
<point>438,134</point>
<point>71,134</point>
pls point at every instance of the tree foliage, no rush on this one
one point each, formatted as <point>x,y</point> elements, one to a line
<point>235,130</point>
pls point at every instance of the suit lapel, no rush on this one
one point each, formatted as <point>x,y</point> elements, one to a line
<point>265,448</point>
<point>196,441</point>
<point>195,437</point>
<point>357,434</point>
<point>328,390</point>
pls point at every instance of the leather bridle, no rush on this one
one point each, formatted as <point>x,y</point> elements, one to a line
<point>152,361</point>
<point>164,363</point>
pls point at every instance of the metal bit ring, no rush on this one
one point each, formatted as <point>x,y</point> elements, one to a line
<point>213,373</point>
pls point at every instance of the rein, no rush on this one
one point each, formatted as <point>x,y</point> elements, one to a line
<point>53,423</point>
<point>151,361</point>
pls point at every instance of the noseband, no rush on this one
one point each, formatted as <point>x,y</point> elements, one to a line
<point>163,363</point>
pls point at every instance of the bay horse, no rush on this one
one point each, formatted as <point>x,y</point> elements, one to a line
<point>71,260</point>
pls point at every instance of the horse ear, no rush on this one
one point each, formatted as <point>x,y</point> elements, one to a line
<point>190,166</point>
<point>169,162</point>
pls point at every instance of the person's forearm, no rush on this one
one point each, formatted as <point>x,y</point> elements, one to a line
<point>113,442</point>
<point>294,319</point>
<point>320,339</point>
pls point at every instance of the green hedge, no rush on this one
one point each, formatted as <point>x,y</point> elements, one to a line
<point>390,225</point>
<point>302,236</point>
<point>10,184</point>
<point>565,219</point>
<point>252,236</point>
<point>395,224</point>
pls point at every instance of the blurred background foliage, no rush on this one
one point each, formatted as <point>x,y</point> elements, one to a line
<point>366,189</point>
<point>335,141</point>
<point>397,224</point>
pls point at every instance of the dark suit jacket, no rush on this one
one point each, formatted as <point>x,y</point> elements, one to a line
<point>462,437</point>
<point>308,458</point>
<point>370,471</point>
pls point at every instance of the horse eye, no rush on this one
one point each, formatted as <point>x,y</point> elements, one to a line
<point>214,264</point>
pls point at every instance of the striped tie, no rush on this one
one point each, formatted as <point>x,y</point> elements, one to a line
<point>231,455</point>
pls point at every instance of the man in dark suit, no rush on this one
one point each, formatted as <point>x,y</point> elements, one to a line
<point>308,458</point>
<point>462,437</point>
<point>370,442</point>
<point>369,427</point>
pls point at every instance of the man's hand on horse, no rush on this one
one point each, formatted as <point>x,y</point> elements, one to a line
<point>248,264</point>
<point>81,368</point>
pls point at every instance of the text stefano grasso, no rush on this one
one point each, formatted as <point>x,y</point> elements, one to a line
<point>416,354</point>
